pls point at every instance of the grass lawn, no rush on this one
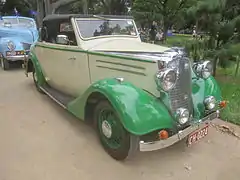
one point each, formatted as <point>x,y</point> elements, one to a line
<point>229,84</point>
<point>230,87</point>
<point>178,40</point>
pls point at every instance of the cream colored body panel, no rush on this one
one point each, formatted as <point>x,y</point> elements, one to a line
<point>66,71</point>
<point>73,77</point>
<point>141,74</point>
<point>125,45</point>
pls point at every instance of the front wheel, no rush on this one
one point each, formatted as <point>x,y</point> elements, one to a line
<point>5,64</point>
<point>116,141</point>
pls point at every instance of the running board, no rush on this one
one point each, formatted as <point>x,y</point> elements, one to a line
<point>59,97</point>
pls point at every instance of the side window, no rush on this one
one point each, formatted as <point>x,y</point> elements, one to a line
<point>49,32</point>
<point>66,34</point>
<point>58,32</point>
<point>46,34</point>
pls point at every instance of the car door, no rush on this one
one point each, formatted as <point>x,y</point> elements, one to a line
<point>64,66</point>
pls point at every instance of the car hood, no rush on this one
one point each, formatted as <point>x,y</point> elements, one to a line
<point>26,35</point>
<point>137,49</point>
<point>125,45</point>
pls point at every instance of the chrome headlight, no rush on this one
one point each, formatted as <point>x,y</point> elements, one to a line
<point>11,46</point>
<point>174,64</point>
<point>204,69</point>
<point>166,79</point>
<point>182,115</point>
<point>210,102</point>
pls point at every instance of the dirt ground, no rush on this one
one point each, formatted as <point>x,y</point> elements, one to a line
<point>41,141</point>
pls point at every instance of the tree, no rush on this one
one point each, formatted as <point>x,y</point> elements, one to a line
<point>22,6</point>
<point>221,19</point>
<point>167,11</point>
<point>115,7</point>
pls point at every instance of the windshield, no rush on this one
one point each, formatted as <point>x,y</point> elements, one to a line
<point>17,22</point>
<point>99,27</point>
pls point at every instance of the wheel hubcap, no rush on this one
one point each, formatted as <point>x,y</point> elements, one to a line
<point>110,129</point>
<point>106,129</point>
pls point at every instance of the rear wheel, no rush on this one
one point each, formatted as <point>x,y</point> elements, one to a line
<point>35,79</point>
<point>5,64</point>
<point>116,141</point>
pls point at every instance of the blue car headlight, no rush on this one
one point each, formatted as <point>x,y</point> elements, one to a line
<point>11,46</point>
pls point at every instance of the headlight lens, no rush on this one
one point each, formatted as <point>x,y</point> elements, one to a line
<point>182,115</point>
<point>207,69</point>
<point>174,64</point>
<point>203,70</point>
<point>210,102</point>
<point>166,79</point>
<point>11,46</point>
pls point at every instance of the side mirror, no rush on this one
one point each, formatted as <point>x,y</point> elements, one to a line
<point>62,39</point>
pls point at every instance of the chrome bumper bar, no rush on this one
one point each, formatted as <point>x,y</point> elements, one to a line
<point>152,146</point>
<point>16,58</point>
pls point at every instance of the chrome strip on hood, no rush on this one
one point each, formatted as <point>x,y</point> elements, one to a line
<point>163,56</point>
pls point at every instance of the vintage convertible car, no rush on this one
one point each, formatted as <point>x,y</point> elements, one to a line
<point>16,36</point>
<point>138,96</point>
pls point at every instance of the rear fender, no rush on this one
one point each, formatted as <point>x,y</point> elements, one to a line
<point>140,112</point>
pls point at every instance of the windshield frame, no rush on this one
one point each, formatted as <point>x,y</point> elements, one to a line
<point>106,36</point>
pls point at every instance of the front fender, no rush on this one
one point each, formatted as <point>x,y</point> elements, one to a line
<point>201,88</point>
<point>140,112</point>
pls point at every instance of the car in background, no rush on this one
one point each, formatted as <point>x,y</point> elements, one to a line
<point>17,34</point>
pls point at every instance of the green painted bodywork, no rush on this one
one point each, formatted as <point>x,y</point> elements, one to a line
<point>200,90</point>
<point>38,69</point>
<point>139,111</point>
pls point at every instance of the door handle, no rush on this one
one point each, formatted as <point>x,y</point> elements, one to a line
<point>72,58</point>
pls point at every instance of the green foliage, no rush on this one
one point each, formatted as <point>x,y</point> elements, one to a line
<point>165,12</point>
<point>231,92</point>
<point>23,7</point>
<point>220,18</point>
<point>115,7</point>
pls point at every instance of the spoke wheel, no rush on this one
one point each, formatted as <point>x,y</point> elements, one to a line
<point>118,143</point>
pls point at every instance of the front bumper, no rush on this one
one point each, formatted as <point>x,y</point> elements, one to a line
<point>152,146</point>
<point>16,58</point>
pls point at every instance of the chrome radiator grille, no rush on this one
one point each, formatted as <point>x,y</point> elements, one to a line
<point>181,95</point>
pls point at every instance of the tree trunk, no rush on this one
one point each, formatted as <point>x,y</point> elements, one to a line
<point>165,30</point>
<point>85,7</point>
<point>238,65</point>
<point>215,60</point>
<point>41,10</point>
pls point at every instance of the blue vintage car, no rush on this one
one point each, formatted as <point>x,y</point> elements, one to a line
<point>17,34</point>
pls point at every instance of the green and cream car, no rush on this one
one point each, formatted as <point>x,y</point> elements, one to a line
<point>138,96</point>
